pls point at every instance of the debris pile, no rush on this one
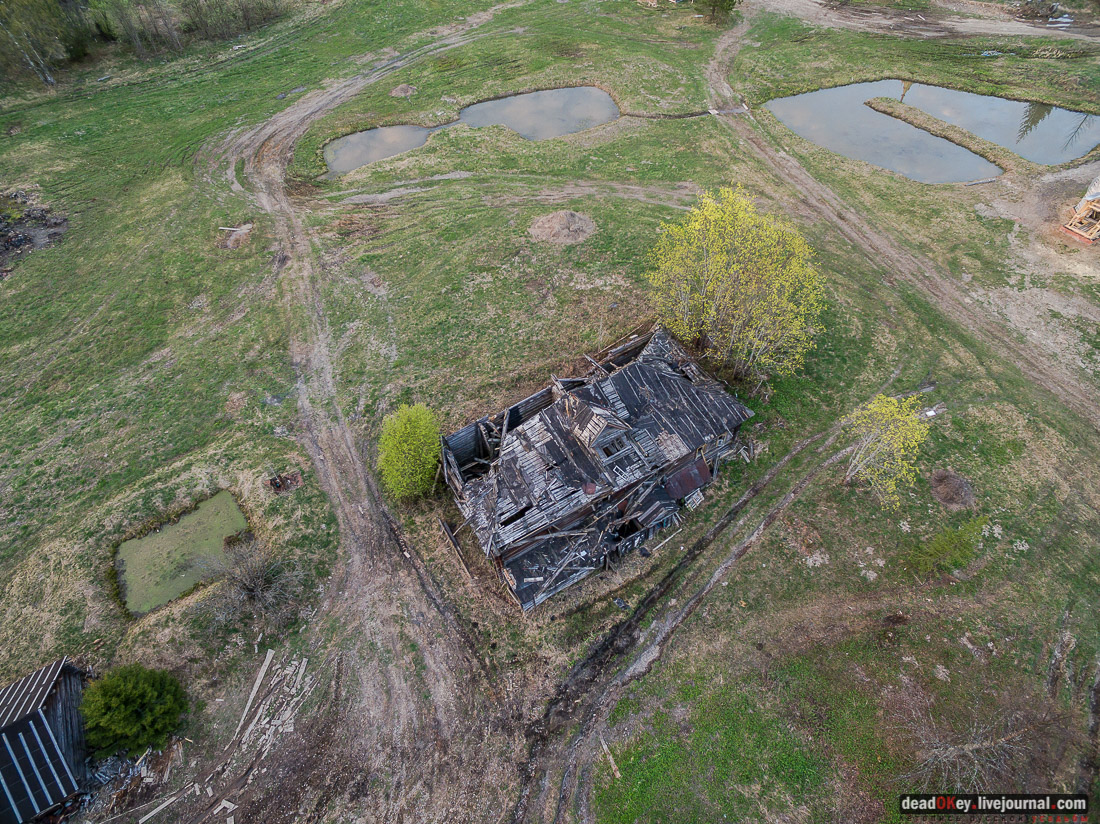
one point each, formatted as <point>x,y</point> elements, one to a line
<point>281,484</point>
<point>1085,223</point>
<point>952,490</point>
<point>25,225</point>
<point>565,227</point>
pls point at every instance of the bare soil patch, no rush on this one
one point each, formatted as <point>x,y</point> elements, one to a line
<point>404,90</point>
<point>952,490</point>
<point>25,225</point>
<point>564,227</point>
<point>237,237</point>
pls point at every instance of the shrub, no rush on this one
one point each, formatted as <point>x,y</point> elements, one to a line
<point>255,582</point>
<point>132,708</point>
<point>408,451</point>
<point>886,436</point>
<point>951,549</point>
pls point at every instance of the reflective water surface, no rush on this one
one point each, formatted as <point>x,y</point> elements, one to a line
<point>542,115</point>
<point>347,153</point>
<point>837,120</point>
<point>534,116</point>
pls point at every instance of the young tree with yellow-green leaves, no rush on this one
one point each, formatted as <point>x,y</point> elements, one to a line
<point>887,434</point>
<point>408,451</point>
<point>739,285</point>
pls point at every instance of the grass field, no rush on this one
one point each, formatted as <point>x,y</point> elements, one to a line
<point>143,367</point>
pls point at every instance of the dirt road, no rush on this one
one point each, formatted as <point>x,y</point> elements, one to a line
<point>410,710</point>
<point>905,265</point>
<point>405,728</point>
<point>993,20</point>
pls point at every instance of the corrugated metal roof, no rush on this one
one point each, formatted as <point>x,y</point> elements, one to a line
<point>34,775</point>
<point>28,694</point>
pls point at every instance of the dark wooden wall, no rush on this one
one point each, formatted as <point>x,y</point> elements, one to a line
<point>62,711</point>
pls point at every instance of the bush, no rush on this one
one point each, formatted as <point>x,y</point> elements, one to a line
<point>408,451</point>
<point>739,285</point>
<point>951,549</point>
<point>255,582</point>
<point>131,709</point>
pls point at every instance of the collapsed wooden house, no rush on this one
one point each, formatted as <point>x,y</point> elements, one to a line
<point>1085,223</point>
<point>568,480</point>
<point>42,752</point>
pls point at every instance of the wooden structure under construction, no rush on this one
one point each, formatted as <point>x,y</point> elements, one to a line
<point>1085,223</point>
<point>568,480</point>
<point>42,752</point>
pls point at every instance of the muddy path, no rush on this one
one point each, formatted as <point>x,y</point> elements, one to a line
<point>992,20</point>
<point>410,710</point>
<point>418,723</point>
<point>907,266</point>
<point>559,772</point>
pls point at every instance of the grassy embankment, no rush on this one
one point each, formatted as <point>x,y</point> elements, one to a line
<point>474,312</point>
<point>801,640</point>
<point>144,366</point>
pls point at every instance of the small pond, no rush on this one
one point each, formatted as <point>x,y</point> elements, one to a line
<point>166,563</point>
<point>837,120</point>
<point>534,116</point>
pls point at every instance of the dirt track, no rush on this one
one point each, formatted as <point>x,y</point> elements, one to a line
<point>415,729</point>
<point>424,736</point>
<point>941,290</point>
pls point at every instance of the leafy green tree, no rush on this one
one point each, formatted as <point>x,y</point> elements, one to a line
<point>886,436</point>
<point>408,451</point>
<point>739,285</point>
<point>132,708</point>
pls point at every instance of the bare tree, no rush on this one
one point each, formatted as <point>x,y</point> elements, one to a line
<point>255,582</point>
<point>1016,745</point>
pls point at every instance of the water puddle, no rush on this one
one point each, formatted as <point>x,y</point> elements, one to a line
<point>533,116</point>
<point>1037,132</point>
<point>164,564</point>
<point>836,119</point>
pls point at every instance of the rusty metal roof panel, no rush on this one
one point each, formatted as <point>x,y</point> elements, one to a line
<point>693,476</point>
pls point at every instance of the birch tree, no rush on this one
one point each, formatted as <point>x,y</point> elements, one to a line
<point>886,436</point>
<point>31,37</point>
<point>738,285</point>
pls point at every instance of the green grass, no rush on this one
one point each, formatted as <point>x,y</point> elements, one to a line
<point>729,759</point>
<point>142,367</point>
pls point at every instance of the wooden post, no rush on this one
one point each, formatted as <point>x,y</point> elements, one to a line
<point>454,545</point>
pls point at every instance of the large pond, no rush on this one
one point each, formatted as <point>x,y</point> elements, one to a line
<point>838,120</point>
<point>166,563</point>
<point>534,116</point>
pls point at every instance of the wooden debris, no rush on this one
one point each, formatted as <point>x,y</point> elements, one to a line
<point>611,758</point>
<point>448,533</point>
<point>149,815</point>
<point>255,689</point>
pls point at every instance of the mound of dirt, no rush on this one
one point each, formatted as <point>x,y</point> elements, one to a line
<point>564,227</point>
<point>404,90</point>
<point>952,490</point>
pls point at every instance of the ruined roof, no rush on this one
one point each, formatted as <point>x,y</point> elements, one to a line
<point>34,773</point>
<point>612,430</point>
<point>29,693</point>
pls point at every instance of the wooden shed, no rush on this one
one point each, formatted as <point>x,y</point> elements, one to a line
<point>42,751</point>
